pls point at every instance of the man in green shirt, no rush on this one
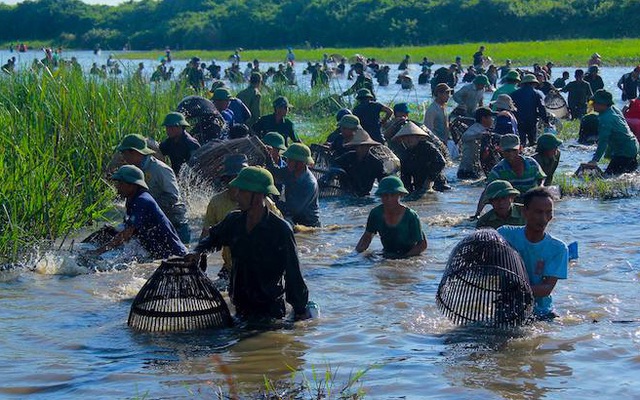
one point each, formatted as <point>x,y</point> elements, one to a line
<point>614,133</point>
<point>277,122</point>
<point>501,195</point>
<point>510,84</point>
<point>251,97</point>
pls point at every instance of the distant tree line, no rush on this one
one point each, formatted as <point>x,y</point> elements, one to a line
<point>216,24</point>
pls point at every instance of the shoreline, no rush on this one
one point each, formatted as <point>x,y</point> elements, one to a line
<point>563,53</point>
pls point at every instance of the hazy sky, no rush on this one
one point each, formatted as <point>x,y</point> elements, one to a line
<point>108,2</point>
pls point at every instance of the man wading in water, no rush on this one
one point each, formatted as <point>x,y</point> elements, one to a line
<point>263,252</point>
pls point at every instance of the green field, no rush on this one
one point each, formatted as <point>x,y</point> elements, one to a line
<point>561,52</point>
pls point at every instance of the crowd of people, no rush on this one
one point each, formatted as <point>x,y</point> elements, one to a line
<point>251,220</point>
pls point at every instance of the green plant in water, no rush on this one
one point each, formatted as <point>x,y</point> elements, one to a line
<point>598,188</point>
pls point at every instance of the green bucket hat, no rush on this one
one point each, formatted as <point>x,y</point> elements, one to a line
<point>135,142</point>
<point>221,94</point>
<point>509,142</point>
<point>547,141</point>
<point>498,189</point>
<point>512,75</point>
<point>391,185</point>
<point>299,152</point>
<point>349,122</point>
<point>255,179</point>
<point>275,140</point>
<point>603,97</point>
<point>281,102</point>
<point>481,80</point>
<point>175,119</point>
<point>130,174</point>
<point>364,93</point>
<point>529,78</point>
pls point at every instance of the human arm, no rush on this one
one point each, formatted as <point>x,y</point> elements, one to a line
<point>364,242</point>
<point>544,288</point>
<point>119,239</point>
<point>621,82</point>
<point>604,134</point>
<point>418,248</point>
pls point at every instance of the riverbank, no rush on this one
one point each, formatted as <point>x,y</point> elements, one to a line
<point>566,53</point>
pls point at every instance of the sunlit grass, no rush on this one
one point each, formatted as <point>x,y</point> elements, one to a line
<point>561,52</point>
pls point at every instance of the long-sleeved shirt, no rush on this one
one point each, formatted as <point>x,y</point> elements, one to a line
<point>470,139</point>
<point>251,97</point>
<point>163,187</point>
<point>529,103</point>
<point>614,132</point>
<point>436,119</point>
<point>262,259</point>
<point>470,97</point>
<point>301,196</point>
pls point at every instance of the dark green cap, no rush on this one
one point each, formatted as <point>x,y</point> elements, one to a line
<point>299,152</point>
<point>275,140</point>
<point>175,119</point>
<point>547,141</point>
<point>498,189</point>
<point>391,185</point>
<point>130,174</point>
<point>255,179</point>
<point>135,142</point>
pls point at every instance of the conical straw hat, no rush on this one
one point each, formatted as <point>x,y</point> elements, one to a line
<point>410,129</point>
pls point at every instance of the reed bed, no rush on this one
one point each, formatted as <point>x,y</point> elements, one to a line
<point>60,130</point>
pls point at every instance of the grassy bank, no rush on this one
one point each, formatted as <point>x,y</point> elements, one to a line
<point>561,52</point>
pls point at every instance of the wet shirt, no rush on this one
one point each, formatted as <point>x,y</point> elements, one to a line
<point>219,206</point>
<point>469,97</point>
<point>595,81</point>
<point>163,187</point>
<point>268,123</point>
<point>470,160</point>
<point>398,239</point>
<point>241,112</point>
<point>529,103</point>
<point>614,133</point>
<point>152,228</point>
<point>369,114</point>
<point>437,120</point>
<point>179,151</point>
<point>547,258</point>
<point>301,196</point>
<point>491,220</point>
<point>530,177</point>
<point>548,165</point>
<point>579,92</point>
<point>419,165</point>
<point>251,98</point>
<point>265,264</point>
<point>360,174</point>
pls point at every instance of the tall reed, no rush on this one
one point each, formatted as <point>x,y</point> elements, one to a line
<point>59,132</point>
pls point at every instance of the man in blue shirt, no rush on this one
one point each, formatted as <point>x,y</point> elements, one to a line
<point>530,108</point>
<point>145,220</point>
<point>300,185</point>
<point>544,256</point>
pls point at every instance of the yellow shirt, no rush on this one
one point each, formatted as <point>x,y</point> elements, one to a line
<point>219,206</point>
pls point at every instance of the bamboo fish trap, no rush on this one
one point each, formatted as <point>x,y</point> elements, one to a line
<point>179,297</point>
<point>485,282</point>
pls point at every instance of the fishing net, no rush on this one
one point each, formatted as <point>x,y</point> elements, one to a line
<point>485,282</point>
<point>458,126</point>
<point>328,178</point>
<point>556,105</point>
<point>179,297</point>
<point>390,162</point>
<point>206,121</point>
<point>328,105</point>
<point>208,161</point>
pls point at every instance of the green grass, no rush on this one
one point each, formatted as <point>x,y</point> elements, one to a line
<point>598,188</point>
<point>59,132</point>
<point>561,52</point>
